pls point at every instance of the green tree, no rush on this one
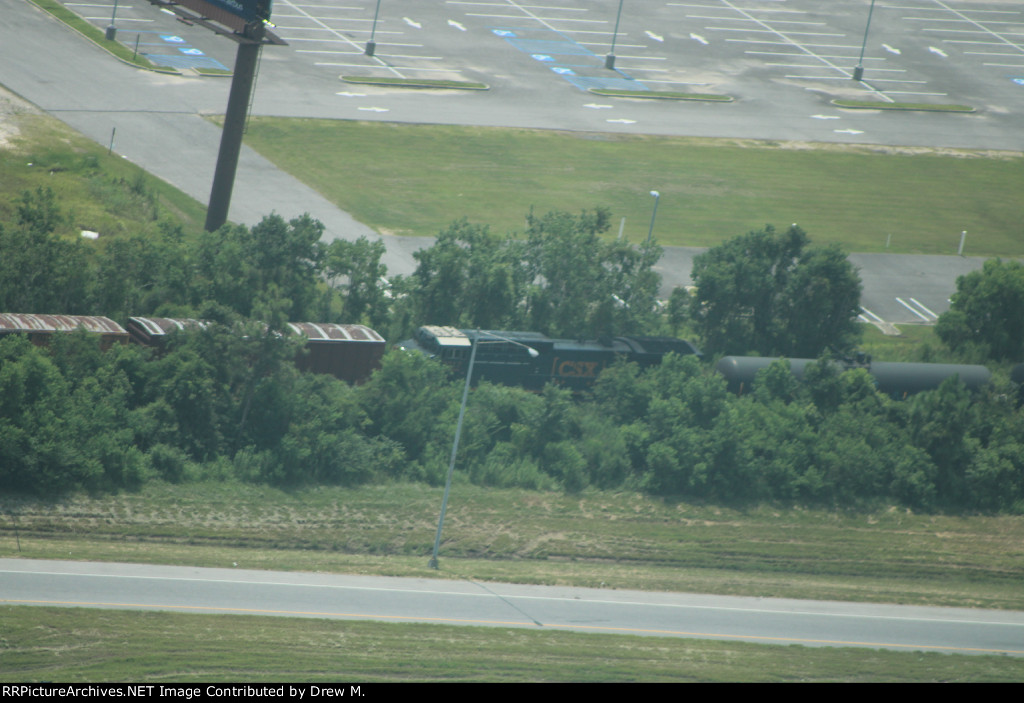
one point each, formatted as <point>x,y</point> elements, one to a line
<point>987,311</point>
<point>236,262</point>
<point>356,269</point>
<point>470,277</point>
<point>768,293</point>
<point>586,286</point>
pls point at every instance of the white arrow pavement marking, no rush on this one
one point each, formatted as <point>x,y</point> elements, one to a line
<point>374,109</point>
<point>847,131</point>
<point>890,49</point>
<point>409,22</point>
<point>654,36</point>
<point>622,121</point>
<point>699,38</point>
<point>824,117</point>
<point>453,23</point>
<point>595,106</point>
<point>352,95</point>
<point>940,52</point>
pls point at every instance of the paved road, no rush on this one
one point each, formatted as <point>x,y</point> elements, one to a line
<point>764,620</point>
<point>158,118</point>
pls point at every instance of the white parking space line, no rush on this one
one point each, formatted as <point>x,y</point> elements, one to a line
<point>876,317</point>
<point>913,310</point>
<point>918,304</point>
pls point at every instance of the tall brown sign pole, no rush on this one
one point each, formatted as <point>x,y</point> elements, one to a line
<point>243,21</point>
<point>246,59</point>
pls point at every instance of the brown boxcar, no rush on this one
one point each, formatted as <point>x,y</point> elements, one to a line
<point>40,328</point>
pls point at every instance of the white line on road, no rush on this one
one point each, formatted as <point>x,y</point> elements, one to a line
<point>911,309</point>
<point>918,304</point>
<point>872,314</point>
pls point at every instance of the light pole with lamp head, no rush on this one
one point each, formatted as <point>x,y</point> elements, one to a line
<point>458,431</point>
<point>654,213</point>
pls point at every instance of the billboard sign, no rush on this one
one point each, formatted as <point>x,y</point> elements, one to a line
<point>248,10</point>
<point>236,14</point>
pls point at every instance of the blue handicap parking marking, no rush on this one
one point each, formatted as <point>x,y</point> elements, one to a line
<point>1018,81</point>
<point>191,52</point>
<point>171,39</point>
<point>542,57</point>
<point>503,32</point>
<point>563,71</point>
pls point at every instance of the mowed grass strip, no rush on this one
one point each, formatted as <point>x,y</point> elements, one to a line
<point>595,539</point>
<point>416,179</point>
<point>85,645</point>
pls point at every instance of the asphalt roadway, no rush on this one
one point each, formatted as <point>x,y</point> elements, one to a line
<point>333,596</point>
<point>155,120</point>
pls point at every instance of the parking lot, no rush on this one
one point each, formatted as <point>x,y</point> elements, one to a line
<point>911,51</point>
<point>782,60</point>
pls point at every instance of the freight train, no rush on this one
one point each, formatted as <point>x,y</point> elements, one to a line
<point>527,359</point>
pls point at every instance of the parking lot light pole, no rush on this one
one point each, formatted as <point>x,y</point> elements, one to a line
<point>609,60</point>
<point>371,46</point>
<point>858,72</point>
<point>654,213</point>
<point>112,30</point>
<point>458,432</point>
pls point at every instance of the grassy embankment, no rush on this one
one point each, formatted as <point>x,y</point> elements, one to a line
<point>416,179</point>
<point>611,540</point>
<point>46,153</point>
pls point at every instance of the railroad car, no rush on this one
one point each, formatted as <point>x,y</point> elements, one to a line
<point>348,352</point>
<point>896,379</point>
<point>41,328</point>
<point>504,356</point>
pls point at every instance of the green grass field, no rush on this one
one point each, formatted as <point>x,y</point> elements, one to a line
<point>81,645</point>
<point>416,179</point>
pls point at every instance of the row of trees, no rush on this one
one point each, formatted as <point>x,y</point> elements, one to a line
<point>74,417</point>
<point>227,401</point>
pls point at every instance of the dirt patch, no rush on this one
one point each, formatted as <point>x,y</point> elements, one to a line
<point>11,109</point>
